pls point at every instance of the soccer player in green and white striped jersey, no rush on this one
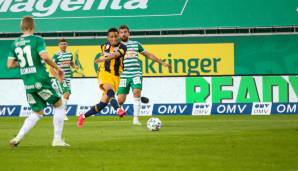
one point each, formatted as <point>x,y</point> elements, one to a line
<point>131,76</point>
<point>64,60</point>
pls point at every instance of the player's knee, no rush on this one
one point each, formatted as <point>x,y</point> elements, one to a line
<point>104,98</point>
<point>137,93</point>
<point>66,96</point>
<point>59,103</point>
<point>110,93</point>
<point>121,101</point>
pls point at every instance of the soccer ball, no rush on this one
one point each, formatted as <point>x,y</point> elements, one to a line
<point>154,124</point>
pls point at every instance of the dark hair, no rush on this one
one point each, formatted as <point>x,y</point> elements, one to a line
<point>124,27</point>
<point>113,30</point>
<point>62,40</point>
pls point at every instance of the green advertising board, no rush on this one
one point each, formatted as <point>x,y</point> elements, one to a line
<point>242,89</point>
<point>99,15</point>
<point>193,56</point>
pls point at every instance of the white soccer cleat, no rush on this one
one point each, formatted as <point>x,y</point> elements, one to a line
<point>136,121</point>
<point>59,143</point>
<point>66,118</point>
<point>14,142</point>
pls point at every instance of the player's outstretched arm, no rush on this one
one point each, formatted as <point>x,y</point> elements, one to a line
<point>74,66</point>
<point>52,64</point>
<point>11,63</point>
<point>53,72</point>
<point>156,59</point>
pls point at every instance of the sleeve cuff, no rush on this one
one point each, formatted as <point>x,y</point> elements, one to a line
<point>42,51</point>
<point>11,57</point>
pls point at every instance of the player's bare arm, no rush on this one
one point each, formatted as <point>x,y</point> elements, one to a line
<point>11,63</point>
<point>53,65</point>
<point>156,59</point>
<point>109,57</point>
<point>73,65</point>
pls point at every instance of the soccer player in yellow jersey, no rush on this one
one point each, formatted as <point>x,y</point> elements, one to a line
<point>110,68</point>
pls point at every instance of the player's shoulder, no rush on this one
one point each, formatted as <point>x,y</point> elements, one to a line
<point>68,52</point>
<point>133,42</point>
<point>14,43</point>
<point>37,37</point>
<point>122,44</point>
<point>57,53</point>
<point>105,45</point>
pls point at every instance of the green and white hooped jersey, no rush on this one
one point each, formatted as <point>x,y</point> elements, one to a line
<point>132,64</point>
<point>63,60</point>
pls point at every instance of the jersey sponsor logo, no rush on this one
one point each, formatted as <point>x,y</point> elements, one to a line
<point>38,85</point>
<point>123,82</point>
<point>137,80</point>
<point>45,94</point>
<point>22,42</point>
<point>30,99</point>
<point>29,87</point>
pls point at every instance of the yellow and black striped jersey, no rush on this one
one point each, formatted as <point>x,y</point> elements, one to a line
<point>114,66</point>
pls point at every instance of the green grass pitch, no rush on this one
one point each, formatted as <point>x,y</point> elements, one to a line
<point>184,143</point>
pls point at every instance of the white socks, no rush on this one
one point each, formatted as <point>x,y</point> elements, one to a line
<point>29,123</point>
<point>31,120</point>
<point>136,107</point>
<point>58,121</point>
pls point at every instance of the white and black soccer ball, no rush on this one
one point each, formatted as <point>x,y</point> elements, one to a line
<point>154,124</point>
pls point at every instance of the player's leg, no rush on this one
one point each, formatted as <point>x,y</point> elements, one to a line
<point>137,88</point>
<point>123,90</point>
<point>98,107</point>
<point>93,110</point>
<point>104,80</point>
<point>37,105</point>
<point>66,94</point>
<point>49,95</point>
<point>136,106</point>
<point>121,98</point>
<point>58,122</point>
<point>110,91</point>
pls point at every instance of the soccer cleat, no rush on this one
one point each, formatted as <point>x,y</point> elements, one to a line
<point>81,120</point>
<point>121,112</point>
<point>59,143</point>
<point>136,121</point>
<point>14,142</point>
<point>145,100</point>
